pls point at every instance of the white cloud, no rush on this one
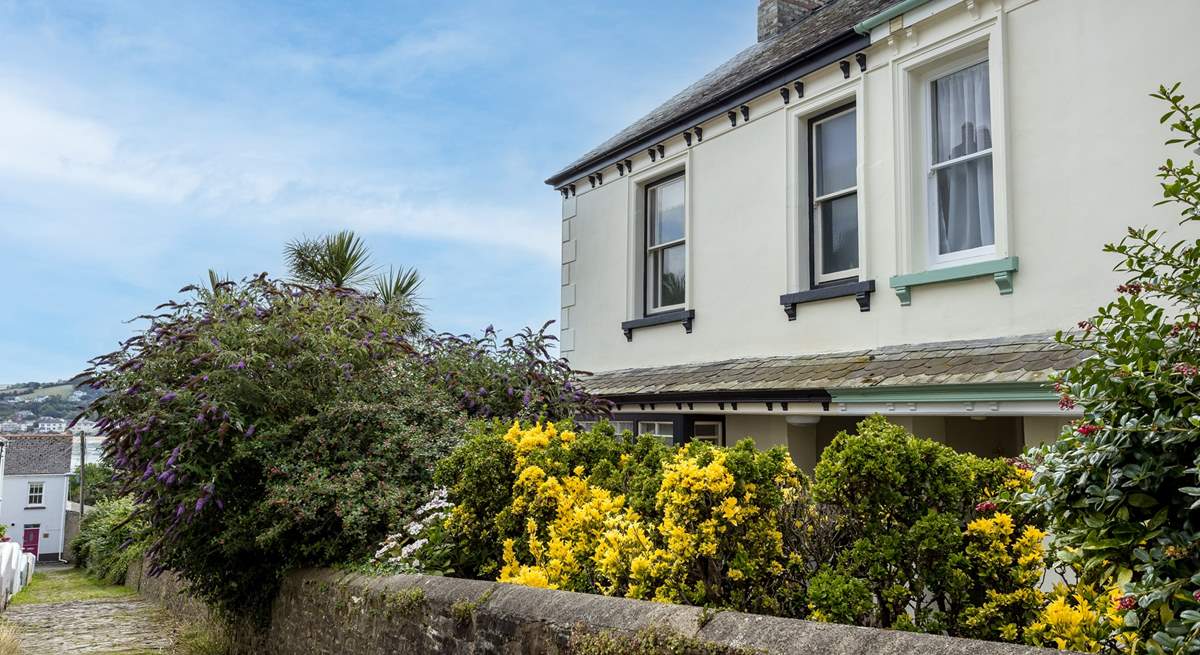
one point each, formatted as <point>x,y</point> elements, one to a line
<point>226,181</point>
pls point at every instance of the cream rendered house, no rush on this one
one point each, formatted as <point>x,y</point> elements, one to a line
<point>879,207</point>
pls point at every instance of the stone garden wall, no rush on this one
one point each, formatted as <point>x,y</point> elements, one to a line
<point>328,612</point>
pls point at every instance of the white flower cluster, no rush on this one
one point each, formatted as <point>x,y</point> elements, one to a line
<point>399,550</point>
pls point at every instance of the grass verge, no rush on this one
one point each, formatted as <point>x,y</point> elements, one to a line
<point>65,585</point>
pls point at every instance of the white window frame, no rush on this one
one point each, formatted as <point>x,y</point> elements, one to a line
<point>657,249</point>
<point>916,247</point>
<point>668,439</point>
<point>620,427</point>
<point>824,92</point>
<point>817,244</point>
<point>716,440</point>
<point>937,259</point>
<point>36,489</point>
<point>648,175</point>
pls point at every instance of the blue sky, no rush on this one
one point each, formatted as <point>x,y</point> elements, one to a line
<point>144,143</point>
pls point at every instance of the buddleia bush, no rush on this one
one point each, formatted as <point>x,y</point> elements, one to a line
<point>262,426</point>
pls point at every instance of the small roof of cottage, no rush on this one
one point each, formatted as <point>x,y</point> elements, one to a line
<point>37,454</point>
<point>1020,359</point>
<point>832,22</point>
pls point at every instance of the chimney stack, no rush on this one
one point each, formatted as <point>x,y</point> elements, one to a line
<point>776,16</point>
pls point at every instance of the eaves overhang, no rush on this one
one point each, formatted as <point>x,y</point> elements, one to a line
<point>831,51</point>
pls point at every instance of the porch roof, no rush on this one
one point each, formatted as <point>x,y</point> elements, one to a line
<point>1028,359</point>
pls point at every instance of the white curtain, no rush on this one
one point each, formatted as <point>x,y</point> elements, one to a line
<point>963,126</point>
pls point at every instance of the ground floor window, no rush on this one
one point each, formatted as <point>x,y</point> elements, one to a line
<point>708,432</point>
<point>664,430</point>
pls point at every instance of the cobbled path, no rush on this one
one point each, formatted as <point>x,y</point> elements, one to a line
<point>108,625</point>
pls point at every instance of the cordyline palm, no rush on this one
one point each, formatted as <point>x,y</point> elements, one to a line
<point>342,261</point>
<point>398,290</point>
<point>337,260</point>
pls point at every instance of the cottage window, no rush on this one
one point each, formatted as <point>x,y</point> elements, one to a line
<point>707,431</point>
<point>666,248</point>
<point>834,189</point>
<point>961,207</point>
<point>664,430</point>
<point>621,427</point>
<point>36,493</point>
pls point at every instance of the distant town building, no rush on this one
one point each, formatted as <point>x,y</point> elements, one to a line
<point>36,471</point>
<point>15,426</point>
<point>84,427</point>
<point>48,424</point>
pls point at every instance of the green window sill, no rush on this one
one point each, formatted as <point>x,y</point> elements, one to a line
<point>1001,271</point>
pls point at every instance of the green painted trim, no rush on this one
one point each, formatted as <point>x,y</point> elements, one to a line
<point>947,393</point>
<point>884,16</point>
<point>1001,271</point>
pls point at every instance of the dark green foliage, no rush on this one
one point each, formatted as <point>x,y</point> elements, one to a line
<point>99,484</point>
<point>266,426</point>
<point>901,504</point>
<point>514,377</point>
<point>1122,487</point>
<point>110,539</point>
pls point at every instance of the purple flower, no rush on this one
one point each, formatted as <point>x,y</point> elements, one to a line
<point>149,472</point>
<point>250,431</point>
<point>200,502</point>
<point>167,397</point>
<point>174,456</point>
<point>241,364</point>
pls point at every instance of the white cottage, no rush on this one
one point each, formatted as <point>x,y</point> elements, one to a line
<point>881,206</point>
<point>36,473</point>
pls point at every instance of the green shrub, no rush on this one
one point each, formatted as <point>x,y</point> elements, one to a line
<point>919,531</point>
<point>1122,486</point>
<point>110,539</point>
<point>264,426</point>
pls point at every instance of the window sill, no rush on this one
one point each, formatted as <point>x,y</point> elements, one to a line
<point>684,316</point>
<point>860,290</point>
<point>35,507</point>
<point>1001,270</point>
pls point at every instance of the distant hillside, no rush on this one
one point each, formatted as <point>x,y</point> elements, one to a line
<point>60,399</point>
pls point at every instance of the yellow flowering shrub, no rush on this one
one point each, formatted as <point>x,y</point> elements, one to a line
<point>1086,620</point>
<point>707,535</point>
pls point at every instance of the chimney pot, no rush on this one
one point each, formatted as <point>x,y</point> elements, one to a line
<point>777,16</point>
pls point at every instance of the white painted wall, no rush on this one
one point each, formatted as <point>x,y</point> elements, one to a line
<point>1083,143</point>
<point>14,513</point>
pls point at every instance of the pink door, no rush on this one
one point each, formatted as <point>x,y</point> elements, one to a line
<point>30,543</point>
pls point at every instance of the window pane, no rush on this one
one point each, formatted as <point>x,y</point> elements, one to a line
<point>674,275</point>
<point>839,234</point>
<point>836,157</point>
<point>964,205</point>
<point>962,114</point>
<point>621,427</point>
<point>666,212</point>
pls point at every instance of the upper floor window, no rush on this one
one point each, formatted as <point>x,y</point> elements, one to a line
<point>666,248</point>
<point>834,189</point>
<point>961,211</point>
<point>36,493</point>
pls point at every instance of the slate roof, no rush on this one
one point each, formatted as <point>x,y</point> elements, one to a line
<point>37,454</point>
<point>1029,358</point>
<point>836,19</point>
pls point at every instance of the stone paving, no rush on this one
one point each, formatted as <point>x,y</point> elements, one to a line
<point>103,625</point>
